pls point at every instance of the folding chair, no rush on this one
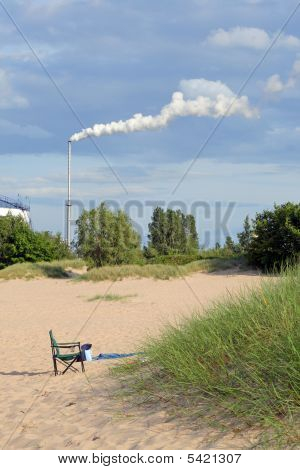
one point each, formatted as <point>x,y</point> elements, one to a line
<point>67,359</point>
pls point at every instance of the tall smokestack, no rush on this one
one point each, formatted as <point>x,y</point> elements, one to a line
<point>68,203</point>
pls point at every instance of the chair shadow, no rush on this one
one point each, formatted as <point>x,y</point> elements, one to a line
<point>24,373</point>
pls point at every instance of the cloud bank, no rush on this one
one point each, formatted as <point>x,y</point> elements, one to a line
<point>254,38</point>
<point>9,99</point>
<point>199,97</point>
<point>29,131</point>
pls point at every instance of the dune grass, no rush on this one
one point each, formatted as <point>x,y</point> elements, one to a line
<point>159,271</point>
<point>110,297</point>
<point>241,357</point>
<point>61,269</point>
<point>54,269</point>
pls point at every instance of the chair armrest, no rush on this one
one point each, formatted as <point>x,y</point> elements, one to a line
<point>69,346</point>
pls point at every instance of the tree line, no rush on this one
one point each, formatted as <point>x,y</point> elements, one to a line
<point>107,237</point>
<point>104,237</point>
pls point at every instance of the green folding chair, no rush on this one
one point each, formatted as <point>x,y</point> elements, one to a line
<point>68,359</point>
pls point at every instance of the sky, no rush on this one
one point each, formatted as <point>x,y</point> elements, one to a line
<point>228,147</point>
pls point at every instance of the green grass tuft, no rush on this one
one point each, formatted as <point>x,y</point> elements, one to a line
<point>110,297</point>
<point>242,356</point>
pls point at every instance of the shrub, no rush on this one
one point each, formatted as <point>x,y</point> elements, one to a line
<point>275,238</point>
<point>19,243</point>
<point>176,258</point>
<point>151,256</point>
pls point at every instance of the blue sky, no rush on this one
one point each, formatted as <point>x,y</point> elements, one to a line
<point>114,59</point>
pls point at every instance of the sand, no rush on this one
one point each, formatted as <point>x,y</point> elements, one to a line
<point>79,411</point>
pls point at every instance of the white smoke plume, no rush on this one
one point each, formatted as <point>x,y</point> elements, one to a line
<point>204,98</point>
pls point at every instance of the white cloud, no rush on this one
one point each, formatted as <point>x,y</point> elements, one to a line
<point>33,132</point>
<point>254,38</point>
<point>275,84</point>
<point>296,68</point>
<point>8,97</point>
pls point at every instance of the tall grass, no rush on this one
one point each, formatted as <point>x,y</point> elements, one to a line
<point>242,356</point>
<point>53,269</point>
<point>159,271</point>
<point>185,258</point>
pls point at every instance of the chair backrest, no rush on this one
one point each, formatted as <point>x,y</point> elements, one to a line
<point>53,342</point>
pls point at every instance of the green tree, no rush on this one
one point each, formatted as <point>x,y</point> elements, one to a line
<point>171,232</point>
<point>107,237</point>
<point>276,237</point>
<point>230,246</point>
<point>192,236</point>
<point>245,236</point>
<point>158,231</point>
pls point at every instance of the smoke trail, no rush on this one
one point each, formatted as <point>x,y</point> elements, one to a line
<point>223,103</point>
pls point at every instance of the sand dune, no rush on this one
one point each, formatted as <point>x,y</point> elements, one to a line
<point>78,411</point>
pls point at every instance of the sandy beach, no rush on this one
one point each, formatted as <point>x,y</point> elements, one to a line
<point>77,411</point>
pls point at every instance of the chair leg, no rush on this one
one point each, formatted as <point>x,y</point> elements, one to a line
<point>66,365</point>
<point>55,366</point>
<point>82,365</point>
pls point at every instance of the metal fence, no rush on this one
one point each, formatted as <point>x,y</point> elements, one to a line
<point>7,202</point>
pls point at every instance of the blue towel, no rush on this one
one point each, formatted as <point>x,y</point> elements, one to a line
<point>112,356</point>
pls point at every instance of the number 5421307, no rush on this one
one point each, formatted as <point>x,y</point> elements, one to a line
<point>213,458</point>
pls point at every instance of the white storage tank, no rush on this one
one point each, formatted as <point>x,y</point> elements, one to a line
<point>14,207</point>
